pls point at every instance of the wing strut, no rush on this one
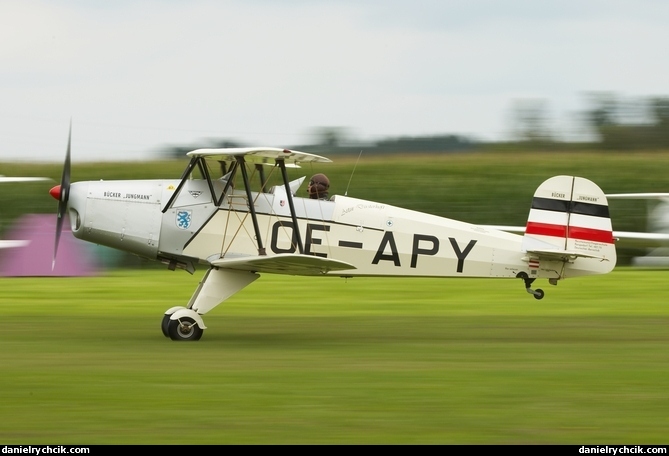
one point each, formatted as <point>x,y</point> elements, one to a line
<point>263,180</point>
<point>184,176</point>
<point>289,195</point>
<point>254,217</point>
<point>228,183</point>
<point>205,174</point>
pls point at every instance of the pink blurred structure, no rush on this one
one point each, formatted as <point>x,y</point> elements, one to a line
<point>35,258</point>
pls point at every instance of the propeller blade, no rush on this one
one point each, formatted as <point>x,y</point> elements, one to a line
<point>64,196</point>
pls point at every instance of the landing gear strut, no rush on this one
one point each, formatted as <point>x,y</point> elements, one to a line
<point>538,293</point>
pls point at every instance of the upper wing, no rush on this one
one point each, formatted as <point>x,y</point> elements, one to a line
<point>285,263</point>
<point>259,155</point>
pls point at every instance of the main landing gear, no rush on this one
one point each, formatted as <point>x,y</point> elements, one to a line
<point>538,293</point>
<point>185,323</point>
<point>182,324</point>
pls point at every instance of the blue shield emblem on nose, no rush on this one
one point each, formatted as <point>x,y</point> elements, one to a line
<point>184,219</point>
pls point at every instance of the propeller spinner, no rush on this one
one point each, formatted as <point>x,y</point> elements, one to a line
<point>61,193</point>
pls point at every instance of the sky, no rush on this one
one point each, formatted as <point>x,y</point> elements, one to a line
<point>136,77</point>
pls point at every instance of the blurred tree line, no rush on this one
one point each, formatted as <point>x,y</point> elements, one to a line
<point>635,124</point>
<point>610,122</point>
<point>613,122</point>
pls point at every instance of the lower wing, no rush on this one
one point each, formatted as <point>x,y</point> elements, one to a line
<point>286,263</point>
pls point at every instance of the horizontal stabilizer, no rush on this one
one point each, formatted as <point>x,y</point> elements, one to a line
<point>564,255</point>
<point>508,229</point>
<point>641,240</point>
<point>636,196</point>
<point>623,239</point>
<point>286,263</point>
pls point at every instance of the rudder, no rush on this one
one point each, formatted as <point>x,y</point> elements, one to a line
<point>570,215</point>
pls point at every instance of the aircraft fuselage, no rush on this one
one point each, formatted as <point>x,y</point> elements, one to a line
<point>378,239</point>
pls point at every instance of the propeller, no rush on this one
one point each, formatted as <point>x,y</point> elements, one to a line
<point>62,193</point>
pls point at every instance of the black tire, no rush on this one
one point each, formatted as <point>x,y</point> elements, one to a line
<point>163,325</point>
<point>184,329</point>
<point>538,293</point>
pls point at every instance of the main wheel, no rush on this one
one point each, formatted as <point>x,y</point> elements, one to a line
<point>164,325</point>
<point>184,328</point>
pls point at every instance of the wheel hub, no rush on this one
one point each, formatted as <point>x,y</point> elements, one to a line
<point>185,328</point>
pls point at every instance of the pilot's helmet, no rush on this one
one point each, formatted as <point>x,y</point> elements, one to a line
<point>318,186</point>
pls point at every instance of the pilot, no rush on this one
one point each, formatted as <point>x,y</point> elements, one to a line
<point>318,187</point>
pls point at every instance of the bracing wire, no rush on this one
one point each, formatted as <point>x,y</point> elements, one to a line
<point>351,178</point>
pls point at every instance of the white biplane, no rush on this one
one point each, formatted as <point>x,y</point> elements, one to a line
<point>238,234</point>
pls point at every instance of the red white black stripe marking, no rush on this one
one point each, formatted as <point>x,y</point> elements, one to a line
<point>572,232</point>
<point>576,213</point>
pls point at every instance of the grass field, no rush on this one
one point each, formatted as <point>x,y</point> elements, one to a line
<point>329,360</point>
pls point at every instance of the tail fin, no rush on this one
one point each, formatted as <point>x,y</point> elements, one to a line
<point>569,219</point>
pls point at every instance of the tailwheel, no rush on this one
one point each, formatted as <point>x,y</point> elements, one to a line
<point>184,328</point>
<point>538,293</point>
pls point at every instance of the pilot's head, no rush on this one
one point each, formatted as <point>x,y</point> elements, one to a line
<point>318,186</point>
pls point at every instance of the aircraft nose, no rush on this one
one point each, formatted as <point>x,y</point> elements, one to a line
<point>55,192</point>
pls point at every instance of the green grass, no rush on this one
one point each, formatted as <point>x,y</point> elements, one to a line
<point>329,360</point>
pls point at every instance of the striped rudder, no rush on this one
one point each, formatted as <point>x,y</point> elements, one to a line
<point>570,214</point>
